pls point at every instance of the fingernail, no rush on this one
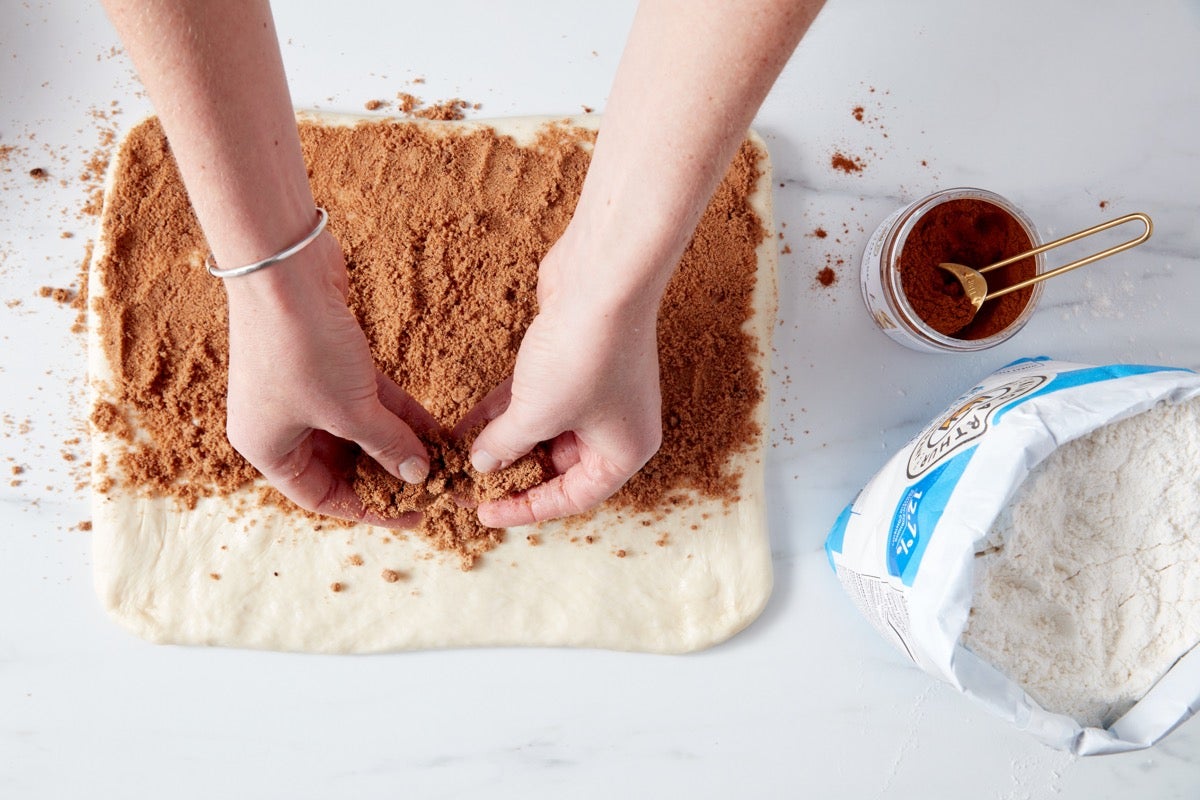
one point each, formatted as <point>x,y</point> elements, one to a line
<point>483,461</point>
<point>414,470</point>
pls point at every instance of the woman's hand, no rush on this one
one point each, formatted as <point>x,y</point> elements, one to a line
<point>586,381</point>
<point>303,388</point>
<point>586,378</point>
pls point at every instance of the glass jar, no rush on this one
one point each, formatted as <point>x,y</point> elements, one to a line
<point>883,291</point>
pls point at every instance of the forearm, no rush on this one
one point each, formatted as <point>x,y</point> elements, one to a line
<point>215,76</point>
<point>690,81</point>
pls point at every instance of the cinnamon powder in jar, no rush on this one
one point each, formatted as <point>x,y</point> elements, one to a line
<point>976,234</point>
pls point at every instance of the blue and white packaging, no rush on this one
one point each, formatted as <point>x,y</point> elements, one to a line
<point>904,550</point>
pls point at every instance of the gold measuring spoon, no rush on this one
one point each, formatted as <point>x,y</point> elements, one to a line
<point>975,285</point>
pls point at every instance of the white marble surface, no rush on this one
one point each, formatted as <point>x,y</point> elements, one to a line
<point>1061,106</point>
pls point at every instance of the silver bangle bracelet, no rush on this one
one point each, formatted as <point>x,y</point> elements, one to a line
<point>282,255</point>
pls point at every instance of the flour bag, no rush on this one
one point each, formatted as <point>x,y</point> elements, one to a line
<point>908,548</point>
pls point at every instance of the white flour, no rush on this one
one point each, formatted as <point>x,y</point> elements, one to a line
<point>1087,589</point>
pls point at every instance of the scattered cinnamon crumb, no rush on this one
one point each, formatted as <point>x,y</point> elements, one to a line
<point>820,233</point>
<point>336,586</point>
<point>787,249</point>
<point>620,554</point>
<point>858,111</point>
<point>588,109</point>
<point>390,575</point>
<point>85,525</point>
<point>533,539</point>
<point>826,276</point>
<point>215,576</point>
<point>66,235</point>
<point>1103,204</point>
<point>845,163</point>
<point>39,174</point>
<point>375,105</point>
<point>355,560</point>
<point>17,469</point>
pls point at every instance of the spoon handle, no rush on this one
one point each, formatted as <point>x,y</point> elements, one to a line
<point>1103,226</point>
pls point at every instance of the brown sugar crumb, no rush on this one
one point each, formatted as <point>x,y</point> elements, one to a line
<point>390,575</point>
<point>620,554</point>
<point>108,419</point>
<point>451,241</point>
<point>85,525</point>
<point>375,105</point>
<point>826,276</point>
<point>17,469</point>
<point>57,294</point>
<point>845,163</point>
<point>336,587</point>
<point>66,235</point>
<point>533,539</point>
<point>94,170</point>
<point>355,560</point>
<point>79,304</point>
<point>216,576</point>
<point>37,173</point>
<point>446,110</point>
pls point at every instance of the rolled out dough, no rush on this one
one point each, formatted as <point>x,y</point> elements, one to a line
<point>154,563</point>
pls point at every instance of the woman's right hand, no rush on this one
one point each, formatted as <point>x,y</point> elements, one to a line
<point>586,381</point>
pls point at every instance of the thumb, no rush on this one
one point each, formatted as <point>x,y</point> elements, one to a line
<point>389,440</point>
<point>507,438</point>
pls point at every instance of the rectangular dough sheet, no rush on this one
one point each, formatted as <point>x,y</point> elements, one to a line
<point>154,562</point>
